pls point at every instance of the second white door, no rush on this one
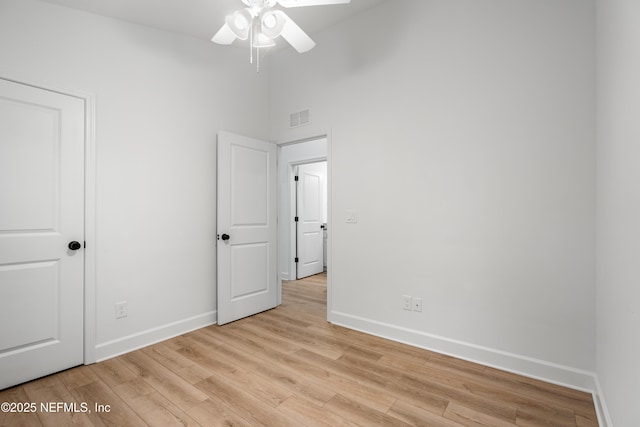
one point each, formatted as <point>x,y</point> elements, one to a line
<point>310,215</point>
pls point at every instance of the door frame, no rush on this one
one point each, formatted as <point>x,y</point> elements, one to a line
<point>283,223</point>
<point>89,321</point>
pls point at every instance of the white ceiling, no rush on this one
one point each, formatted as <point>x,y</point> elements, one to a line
<point>203,18</point>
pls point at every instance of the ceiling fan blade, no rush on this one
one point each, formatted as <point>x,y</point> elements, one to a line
<point>294,34</point>
<point>224,35</point>
<point>301,3</point>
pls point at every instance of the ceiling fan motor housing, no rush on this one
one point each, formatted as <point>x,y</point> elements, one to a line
<point>260,3</point>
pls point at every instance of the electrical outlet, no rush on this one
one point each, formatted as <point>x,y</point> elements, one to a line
<point>406,302</point>
<point>416,303</point>
<point>121,309</point>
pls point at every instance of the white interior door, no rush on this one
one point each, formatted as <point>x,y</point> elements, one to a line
<point>310,213</point>
<point>247,227</point>
<point>41,212</point>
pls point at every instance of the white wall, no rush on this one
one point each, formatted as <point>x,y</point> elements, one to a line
<point>618,272</point>
<point>463,136</point>
<point>160,99</point>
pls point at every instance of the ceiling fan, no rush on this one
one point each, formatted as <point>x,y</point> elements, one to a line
<point>261,24</point>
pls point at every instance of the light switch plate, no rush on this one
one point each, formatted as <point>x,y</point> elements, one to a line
<point>352,217</point>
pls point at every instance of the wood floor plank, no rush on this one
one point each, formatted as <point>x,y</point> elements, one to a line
<point>380,345</point>
<point>308,414</point>
<point>530,419</point>
<point>168,357</point>
<point>480,384</point>
<point>419,417</point>
<point>230,335</point>
<point>471,417</point>
<point>157,410</point>
<point>396,385</point>
<point>477,384</point>
<point>113,372</point>
<point>77,377</point>
<point>51,389</point>
<point>264,340</point>
<point>194,374</point>
<point>547,391</point>
<point>272,385</point>
<point>118,414</point>
<point>131,389</point>
<point>361,414</point>
<point>297,336</point>
<point>214,413</point>
<point>377,398</point>
<point>244,403</point>
<point>303,386</point>
<point>590,420</point>
<point>182,393</point>
<point>14,417</point>
<point>199,354</point>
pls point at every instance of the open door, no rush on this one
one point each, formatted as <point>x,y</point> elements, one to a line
<point>310,222</point>
<point>247,228</point>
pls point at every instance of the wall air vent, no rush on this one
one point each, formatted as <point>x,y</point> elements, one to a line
<point>300,118</point>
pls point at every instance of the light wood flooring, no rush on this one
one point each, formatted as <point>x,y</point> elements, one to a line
<point>289,367</point>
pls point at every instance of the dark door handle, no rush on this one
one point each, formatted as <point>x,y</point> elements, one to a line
<point>225,237</point>
<point>74,246</point>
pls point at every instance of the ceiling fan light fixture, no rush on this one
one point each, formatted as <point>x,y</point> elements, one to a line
<point>240,22</point>
<point>272,23</point>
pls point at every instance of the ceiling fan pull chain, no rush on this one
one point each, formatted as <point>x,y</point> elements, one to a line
<point>251,45</point>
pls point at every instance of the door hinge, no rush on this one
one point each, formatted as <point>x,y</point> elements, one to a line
<point>84,244</point>
<point>296,259</point>
<point>295,219</point>
<point>295,178</point>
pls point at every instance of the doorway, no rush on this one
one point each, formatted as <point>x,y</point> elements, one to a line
<point>291,156</point>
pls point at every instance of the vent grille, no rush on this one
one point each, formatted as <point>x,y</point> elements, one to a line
<point>300,118</point>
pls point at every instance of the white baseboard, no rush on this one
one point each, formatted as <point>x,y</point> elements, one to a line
<point>151,336</point>
<point>604,419</point>
<point>534,368</point>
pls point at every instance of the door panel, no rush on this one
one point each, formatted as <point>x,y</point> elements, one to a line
<point>249,189</point>
<point>26,129</point>
<point>41,210</point>
<point>310,219</point>
<point>38,293</point>
<point>249,270</point>
<point>247,260</point>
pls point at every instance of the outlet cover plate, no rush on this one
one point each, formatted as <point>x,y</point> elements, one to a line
<point>121,310</point>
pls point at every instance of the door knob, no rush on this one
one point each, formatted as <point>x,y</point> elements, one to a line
<point>225,237</point>
<point>74,246</point>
